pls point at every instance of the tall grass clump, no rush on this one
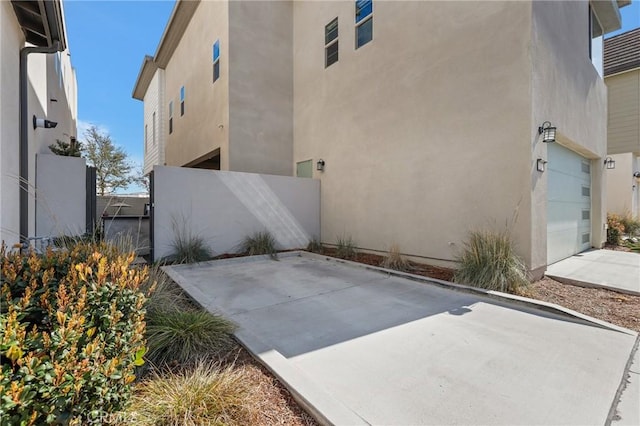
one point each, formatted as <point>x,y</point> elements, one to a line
<point>345,247</point>
<point>315,246</point>
<point>394,260</point>
<point>187,247</point>
<point>259,243</point>
<point>489,261</point>
<point>631,224</point>
<point>204,395</point>
<point>185,335</point>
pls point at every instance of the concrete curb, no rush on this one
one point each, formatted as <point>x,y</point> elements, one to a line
<point>592,285</point>
<point>505,297</point>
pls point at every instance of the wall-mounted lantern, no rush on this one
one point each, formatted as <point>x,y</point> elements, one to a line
<point>320,165</point>
<point>540,165</point>
<point>548,132</point>
<point>636,175</point>
<point>610,163</point>
<point>44,123</point>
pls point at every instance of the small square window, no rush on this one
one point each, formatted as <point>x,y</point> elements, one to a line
<point>586,214</point>
<point>586,238</point>
<point>364,33</point>
<point>586,191</point>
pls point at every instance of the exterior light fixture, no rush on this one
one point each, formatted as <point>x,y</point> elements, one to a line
<point>548,132</point>
<point>320,165</point>
<point>636,175</point>
<point>540,165</point>
<point>44,123</point>
<point>610,163</point>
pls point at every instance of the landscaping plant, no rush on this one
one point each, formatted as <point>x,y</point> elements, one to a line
<point>259,243</point>
<point>187,247</point>
<point>394,260</point>
<point>489,261</point>
<point>631,225</point>
<point>315,246</point>
<point>615,229</point>
<point>345,247</point>
<point>207,394</point>
<point>71,334</point>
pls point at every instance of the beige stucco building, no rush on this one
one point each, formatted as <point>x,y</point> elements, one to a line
<point>50,90</point>
<point>622,76</point>
<point>425,115</point>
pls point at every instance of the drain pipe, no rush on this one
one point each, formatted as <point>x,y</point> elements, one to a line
<point>24,137</point>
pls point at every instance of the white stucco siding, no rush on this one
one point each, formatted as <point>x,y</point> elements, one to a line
<point>424,130</point>
<point>154,102</point>
<point>568,91</point>
<point>11,40</point>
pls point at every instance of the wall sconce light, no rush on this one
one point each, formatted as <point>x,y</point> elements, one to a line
<point>548,132</point>
<point>610,163</point>
<point>320,165</point>
<point>540,165</point>
<point>636,175</point>
<point>44,123</point>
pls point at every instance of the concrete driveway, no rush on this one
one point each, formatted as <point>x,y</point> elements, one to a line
<point>613,270</point>
<point>359,346</point>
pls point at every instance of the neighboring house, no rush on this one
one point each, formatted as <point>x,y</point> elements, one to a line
<point>36,30</point>
<point>622,76</point>
<point>421,119</point>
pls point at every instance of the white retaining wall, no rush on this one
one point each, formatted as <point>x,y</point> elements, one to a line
<point>224,207</point>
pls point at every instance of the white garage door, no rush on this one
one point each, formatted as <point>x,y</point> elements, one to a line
<point>569,203</point>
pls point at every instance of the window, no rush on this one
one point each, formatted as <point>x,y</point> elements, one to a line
<point>153,129</point>
<point>170,117</point>
<point>364,22</point>
<point>216,60</point>
<point>331,43</point>
<point>181,101</point>
<point>146,140</point>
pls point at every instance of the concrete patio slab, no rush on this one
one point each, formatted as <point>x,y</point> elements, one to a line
<point>613,270</point>
<point>359,346</point>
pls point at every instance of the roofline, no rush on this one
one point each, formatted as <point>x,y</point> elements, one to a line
<point>147,71</point>
<point>636,68</point>
<point>48,18</point>
<point>180,17</point>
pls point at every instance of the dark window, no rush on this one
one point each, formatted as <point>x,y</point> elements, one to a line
<point>170,117</point>
<point>331,43</point>
<point>364,33</point>
<point>216,71</point>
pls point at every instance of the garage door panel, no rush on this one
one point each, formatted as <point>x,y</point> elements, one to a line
<point>568,203</point>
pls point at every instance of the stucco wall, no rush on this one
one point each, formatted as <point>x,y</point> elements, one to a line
<point>204,126</point>
<point>425,130</point>
<point>567,91</point>
<point>154,102</point>
<point>61,195</point>
<point>11,40</point>
<point>261,87</point>
<point>224,207</point>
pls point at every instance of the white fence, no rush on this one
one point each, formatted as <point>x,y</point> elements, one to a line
<point>225,207</point>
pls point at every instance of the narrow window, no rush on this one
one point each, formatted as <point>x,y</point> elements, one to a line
<point>153,129</point>
<point>216,60</point>
<point>331,43</point>
<point>181,101</point>
<point>145,138</point>
<point>170,117</point>
<point>364,22</point>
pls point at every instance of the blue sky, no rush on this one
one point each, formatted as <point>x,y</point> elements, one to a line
<point>108,40</point>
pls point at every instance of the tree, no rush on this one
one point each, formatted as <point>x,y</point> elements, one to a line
<point>67,149</point>
<point>113,169</point>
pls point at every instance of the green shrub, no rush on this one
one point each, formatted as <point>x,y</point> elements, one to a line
<point>489,261</point>
<point>394,260</point>
<point>184,336</point>
<point>631,225</point>
<point>634,246</point>
<point>205,395</point>
<point>72,333</point>
<point>345,247</point>
<point>315,246</point>
<point>615,229</point>
<point>259,243</point>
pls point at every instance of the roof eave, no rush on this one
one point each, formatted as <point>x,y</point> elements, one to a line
<point>42,22</point>
<point>608,13</point>
<point>147,71</point>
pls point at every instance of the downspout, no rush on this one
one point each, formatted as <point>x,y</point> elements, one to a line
<point>24,137</point>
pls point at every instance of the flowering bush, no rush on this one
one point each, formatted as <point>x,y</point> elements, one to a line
<point>615,228</point>
<point>71,333</point>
